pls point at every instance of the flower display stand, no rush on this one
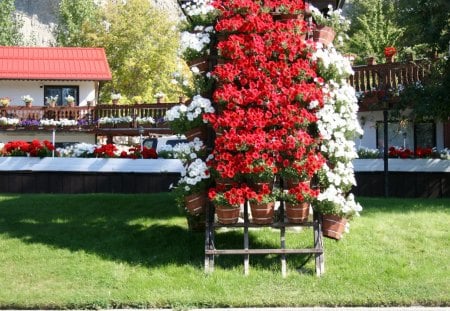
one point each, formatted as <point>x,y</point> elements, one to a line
<point>211,251</point>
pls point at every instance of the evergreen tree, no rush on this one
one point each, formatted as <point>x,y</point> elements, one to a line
<point>9,25</point>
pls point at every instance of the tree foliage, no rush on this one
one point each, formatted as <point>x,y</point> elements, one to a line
<point>75,18</point>
<point>139,40</point>
<point>425,22</point>
<point>373,28</point>
<point>9,24</point>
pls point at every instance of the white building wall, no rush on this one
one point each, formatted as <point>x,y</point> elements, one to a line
<point>368,122</point>
<point>15,89</point>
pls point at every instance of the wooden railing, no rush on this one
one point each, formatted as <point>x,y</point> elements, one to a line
<point>391,75</point>
<point>385,80</point>
<point>89,115</point>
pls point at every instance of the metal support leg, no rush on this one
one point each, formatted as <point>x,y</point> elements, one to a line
<point>209,239</point>
<point>246,243</point>
<point>283,241</point>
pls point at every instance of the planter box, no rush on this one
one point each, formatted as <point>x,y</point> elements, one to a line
<point>78,175</point>
<point>414,178</point>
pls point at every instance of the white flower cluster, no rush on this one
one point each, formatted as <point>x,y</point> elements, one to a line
<point>145,120</point>
<point>9,121</point>
<point>186,152</point>
<point>77,150</point>
<point>70,99</point>
<point>116,96</point>
<point>198,40</point>
<point>194,111</point>
<point>114,120</point>
<point>338,125</point>
<point>335,196</point>
<point>196,172</point>
<point>332,63</point>
<point>198,7</point>
<point>27,98</point>
<point>445,154</point>
<point>62,122</point>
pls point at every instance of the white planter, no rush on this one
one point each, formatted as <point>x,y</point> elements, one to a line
<point>402,165</point>
<point>90,165</point>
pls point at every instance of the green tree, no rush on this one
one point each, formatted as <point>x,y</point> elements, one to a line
<point>426,23</point>
<point>75,19</point>
<point>141,44</point>
<point>9,24</point>
<point>373,27</point>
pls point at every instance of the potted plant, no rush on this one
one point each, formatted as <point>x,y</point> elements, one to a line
<point>389,53</point>
<point>192,187</point>
<point>51,100</point>
<point>297,202</point>
<point>262,208</point>
<point>4,101</point>
<point>261,175</point>
<point>286,12</point>
<point>188,120</point>
<point>227,204</point>
<point>70,101</point>
<point>294,174</point>
<point>371,58</point>
<point>159,97</point>
<point>28,100</point>
<point>334,203</point>
<point>327,27</point>
<point>115,97</point>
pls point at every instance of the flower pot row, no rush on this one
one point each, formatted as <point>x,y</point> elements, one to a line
<point>262,213</point>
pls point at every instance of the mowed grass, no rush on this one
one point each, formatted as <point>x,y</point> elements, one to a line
<point>116,251</point>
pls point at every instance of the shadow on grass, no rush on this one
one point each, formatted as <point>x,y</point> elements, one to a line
<point>145,230</point>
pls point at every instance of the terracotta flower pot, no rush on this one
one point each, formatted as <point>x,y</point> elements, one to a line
<point>324,35</point>
<point>228,215</point>
<point>333,226</point>
<point>196,203</point>
<point>224,184</point>
<point>262,213</point>
<point>297,213</point>
<point>284,17</point>
<point>200,132</point>
<point>202,63</point>
<point>259,185</point>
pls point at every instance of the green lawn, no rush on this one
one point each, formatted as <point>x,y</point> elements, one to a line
<point>104,251</point>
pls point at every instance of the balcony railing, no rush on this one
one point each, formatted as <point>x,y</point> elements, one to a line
<point>88,116</point>
<point>371,79</point>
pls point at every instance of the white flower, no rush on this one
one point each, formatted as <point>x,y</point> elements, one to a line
<point>27,98</point>
<point>116,96</point>
<point>70,99</point>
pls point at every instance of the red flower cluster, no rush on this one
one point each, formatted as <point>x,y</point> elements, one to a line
<point>105,151</point>
<point>135,153</point>
<point>424,152</point>
<point>33,149</point>
<point>266,83</point>
<point>403,153</point>
<point>390,51</point>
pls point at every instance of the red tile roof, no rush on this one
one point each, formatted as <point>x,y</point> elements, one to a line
<point>53,63</point>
